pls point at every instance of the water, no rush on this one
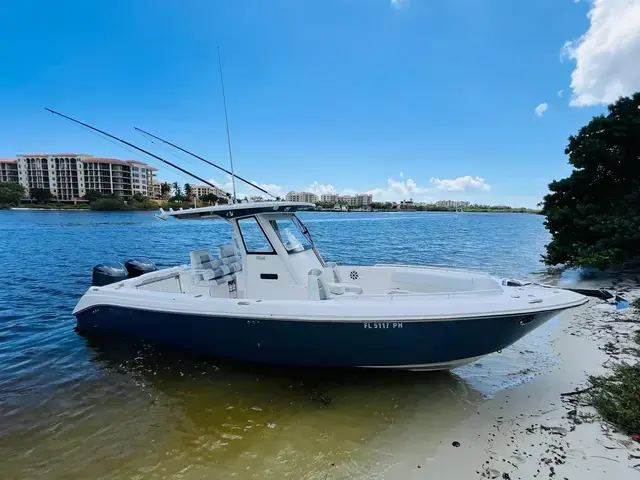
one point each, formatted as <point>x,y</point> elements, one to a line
<point>76,407</point>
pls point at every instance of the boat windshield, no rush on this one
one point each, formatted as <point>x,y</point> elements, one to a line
<point>291,235</point>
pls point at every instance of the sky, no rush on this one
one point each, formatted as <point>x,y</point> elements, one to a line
<point>424,99</point>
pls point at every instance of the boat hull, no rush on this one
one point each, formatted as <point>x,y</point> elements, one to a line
<point>410,345</point>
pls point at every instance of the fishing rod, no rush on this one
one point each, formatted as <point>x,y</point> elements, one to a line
<point>144,132</point>
<point>131,145</point>
<point>226,119</point>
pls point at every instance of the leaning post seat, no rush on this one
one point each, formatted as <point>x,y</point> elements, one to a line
<point>209,271</point>
<point>319,289</point>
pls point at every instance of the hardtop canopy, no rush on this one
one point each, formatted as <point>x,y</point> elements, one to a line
<point>235,210</point>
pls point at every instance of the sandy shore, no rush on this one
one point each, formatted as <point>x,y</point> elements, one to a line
<point>533,431</point>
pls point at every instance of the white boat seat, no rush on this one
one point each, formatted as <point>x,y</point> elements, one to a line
<point>329,273</point>
<point>320,290</point>
<point>208,271</point>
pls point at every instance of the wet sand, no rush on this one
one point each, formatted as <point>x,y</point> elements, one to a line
<point>532,430</point>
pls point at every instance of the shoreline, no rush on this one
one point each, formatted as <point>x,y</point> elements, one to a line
<point>72,209</point>
<point>543,428</point>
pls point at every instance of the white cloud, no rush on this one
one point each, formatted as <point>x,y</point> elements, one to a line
<point>397,190</point>
<point>462,184</point>
<point>541,109</point>
<point>560,92</point>
<point>399,3</point>
<point>606,56</point>
<point>320,189</point>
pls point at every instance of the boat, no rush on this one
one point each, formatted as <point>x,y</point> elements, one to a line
<point>269,296</point>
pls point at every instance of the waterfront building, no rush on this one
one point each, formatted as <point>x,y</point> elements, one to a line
<point>155,189</point>
<point>330,198</point>
<point>307,197</point>
<point>200,191</point>
<point>452,203</point>
<point>360,200</point>
<point>8,170</point>
<point>68,176</point>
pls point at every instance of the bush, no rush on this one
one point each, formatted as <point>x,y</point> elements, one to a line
<point>616,397</point>
<point>594,214</point>
<point>110,204</point>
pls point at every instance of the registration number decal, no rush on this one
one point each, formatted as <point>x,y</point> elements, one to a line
<point>383,325</point>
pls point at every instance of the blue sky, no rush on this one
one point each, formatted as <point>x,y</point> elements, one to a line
<point>420,98</point>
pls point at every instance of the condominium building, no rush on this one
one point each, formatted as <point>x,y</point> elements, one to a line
<point>307,197</point>
<point>360,200</point>
<point>330,198</point>
<point>200,191</point>
<point>155,189</point>
<point>8,170</point>
<point>68,176</point>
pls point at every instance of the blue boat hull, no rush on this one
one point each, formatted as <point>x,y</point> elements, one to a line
<point>407,345</point>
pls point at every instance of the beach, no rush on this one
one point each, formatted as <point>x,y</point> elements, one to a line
<point>533,430</point>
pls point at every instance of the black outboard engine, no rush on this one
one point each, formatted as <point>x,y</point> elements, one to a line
<point>107,273</point>
<point>139,266</point>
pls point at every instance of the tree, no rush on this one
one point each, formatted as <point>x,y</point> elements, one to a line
<point>41,195</point>
<point>138,197</point>
<point>11,193</point>
<point>92,195</point>
<point>210,197</point>
<point>176,189</point>
<point>594,214</point>
<point>165,189</point>
<point>188,190</point>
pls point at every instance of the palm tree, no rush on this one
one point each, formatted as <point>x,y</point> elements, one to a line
<point>165,189</point>
<point>188,191</point>
<point>176,189</point>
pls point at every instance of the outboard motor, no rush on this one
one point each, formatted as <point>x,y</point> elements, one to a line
<point>107,273</point>
<point>139,266</point>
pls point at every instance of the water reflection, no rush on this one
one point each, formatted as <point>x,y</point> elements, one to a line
<point>150,412</point>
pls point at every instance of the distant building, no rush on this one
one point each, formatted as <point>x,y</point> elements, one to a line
<point>68,176</point>
<point>360,200</point>
<point>8,170</point>
<point>306,197</point>
<point>200,191</point>
<point>155,189</point>
<point>330,198</point>
<point>452,203</point>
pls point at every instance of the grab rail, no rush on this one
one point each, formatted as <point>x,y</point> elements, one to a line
<point>427,267</point>
<point>391,294</point>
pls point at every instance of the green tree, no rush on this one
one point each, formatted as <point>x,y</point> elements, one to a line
<point>41,195</point>
<point>594,214</point>
<point>92,195</point>
<point>210,197</point>
<point>188,190</point>
<point>177,190</point>
<point>138,197</point>
<point>10,194</point>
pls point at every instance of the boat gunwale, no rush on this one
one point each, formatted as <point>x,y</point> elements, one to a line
<point>414,319</point>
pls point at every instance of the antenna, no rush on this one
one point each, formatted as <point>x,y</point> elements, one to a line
<point>226,119</point>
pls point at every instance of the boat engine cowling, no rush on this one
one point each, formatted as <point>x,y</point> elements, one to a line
<point>139,266</point>
<point>107,273</point>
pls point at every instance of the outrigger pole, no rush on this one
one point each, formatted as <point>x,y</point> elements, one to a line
<point>132,146</point>
<point>144,132</point>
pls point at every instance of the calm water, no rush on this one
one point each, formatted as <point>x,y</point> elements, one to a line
<point>75,407</point>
